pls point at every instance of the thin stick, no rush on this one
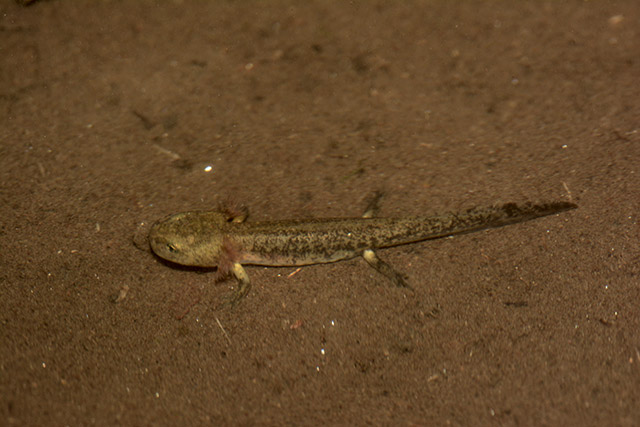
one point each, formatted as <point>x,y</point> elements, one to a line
<point>223,331</point>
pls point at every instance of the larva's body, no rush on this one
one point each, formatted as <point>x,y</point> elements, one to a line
<point>216,239</point>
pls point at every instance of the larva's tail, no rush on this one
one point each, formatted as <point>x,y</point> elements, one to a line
<point>401,231</point>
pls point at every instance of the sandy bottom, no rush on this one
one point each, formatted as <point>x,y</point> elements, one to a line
<point>114,114</point>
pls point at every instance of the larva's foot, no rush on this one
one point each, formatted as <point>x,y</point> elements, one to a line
<point>385,269</point>
<point>244,286</point>
<point>232,300</point>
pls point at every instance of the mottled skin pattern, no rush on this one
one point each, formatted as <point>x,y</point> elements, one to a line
<point>219,239</point>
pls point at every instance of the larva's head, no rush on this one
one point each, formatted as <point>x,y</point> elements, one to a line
<point>189,238</point>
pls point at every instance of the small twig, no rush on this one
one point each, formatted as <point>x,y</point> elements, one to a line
<point>223,331</point>
<point>169,153</point>
<point>294,273</point>
<point>566,187</point>
<point>122,294</point>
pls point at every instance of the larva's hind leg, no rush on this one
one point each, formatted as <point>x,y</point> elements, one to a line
<point>385,269</point>
<point>244,286</point>
<point>374,206</point>
<point>370,256</point>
